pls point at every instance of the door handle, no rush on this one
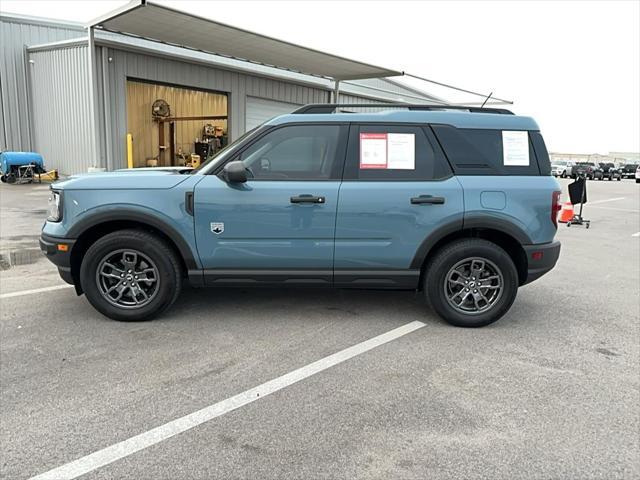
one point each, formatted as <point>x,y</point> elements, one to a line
<point>427,199</point>
<point>307,199</point>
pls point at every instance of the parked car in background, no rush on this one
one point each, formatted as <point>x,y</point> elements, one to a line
<point>628,170</point>
<point>561,168</point>
<point>586,169</point>
<point>638,174</point>
<point>608,171</point>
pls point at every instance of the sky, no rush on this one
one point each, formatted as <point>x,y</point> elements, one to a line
<point>574,66</point>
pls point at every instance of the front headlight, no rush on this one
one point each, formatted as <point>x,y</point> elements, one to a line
<point>55,207</point>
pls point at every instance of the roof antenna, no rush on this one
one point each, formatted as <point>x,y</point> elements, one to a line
<point>486,100</point>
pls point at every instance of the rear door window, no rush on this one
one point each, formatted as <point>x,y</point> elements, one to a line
<point>394,152</point>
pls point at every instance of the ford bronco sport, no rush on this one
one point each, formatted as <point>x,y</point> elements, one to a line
<point>457,203</point>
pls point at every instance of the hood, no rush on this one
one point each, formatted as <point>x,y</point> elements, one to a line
<point>133,179</point>
<point>157,169</point>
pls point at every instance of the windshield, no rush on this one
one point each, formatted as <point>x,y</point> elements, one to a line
<point>228,150</point>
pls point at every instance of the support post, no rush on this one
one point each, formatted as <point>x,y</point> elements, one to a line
<point>129,150</point>
<point>109,161</point>
<point>93,100</point>
<point>172,143</point>
<point>161,145</point>
<point>336,91</point>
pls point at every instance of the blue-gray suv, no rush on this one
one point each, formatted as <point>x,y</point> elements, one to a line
<point>455,202</point>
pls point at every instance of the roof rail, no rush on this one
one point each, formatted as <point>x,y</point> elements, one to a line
<point>332,107</point>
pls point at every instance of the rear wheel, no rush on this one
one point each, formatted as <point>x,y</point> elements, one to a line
<point>471,282</point>
<point>131,275</point>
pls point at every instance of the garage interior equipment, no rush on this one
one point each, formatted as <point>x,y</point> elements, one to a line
<point>174,125</point>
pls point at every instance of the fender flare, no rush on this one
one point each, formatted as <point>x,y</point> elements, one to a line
<point>141,217</point>
<point>467,222</point>
<point>484,220</point>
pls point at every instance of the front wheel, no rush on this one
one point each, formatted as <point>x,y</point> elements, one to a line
<point>131,275</point>
<point>471,282</point>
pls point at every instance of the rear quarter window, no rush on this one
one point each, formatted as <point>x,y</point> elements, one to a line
<point>480,152</point>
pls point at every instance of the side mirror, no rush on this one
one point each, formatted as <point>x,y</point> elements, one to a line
<point>235,172</point>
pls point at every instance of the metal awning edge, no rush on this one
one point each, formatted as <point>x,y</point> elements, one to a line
<point>102,23</point>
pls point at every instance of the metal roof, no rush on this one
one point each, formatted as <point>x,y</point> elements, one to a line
<point>162,24</point>
<point>42,21</point>
<point>377,89</point>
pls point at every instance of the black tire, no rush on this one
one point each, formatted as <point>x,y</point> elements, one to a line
<point>435,281</point>
<point>163,258</point>
<point>637,180</point>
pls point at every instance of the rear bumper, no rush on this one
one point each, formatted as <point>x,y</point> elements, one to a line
<point>540,259</point>
<point>61,259</point>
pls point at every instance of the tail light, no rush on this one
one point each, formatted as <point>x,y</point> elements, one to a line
<point>556,206</point>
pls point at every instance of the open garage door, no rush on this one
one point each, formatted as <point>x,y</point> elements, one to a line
<point>174,126</point>
<point>260,110</point>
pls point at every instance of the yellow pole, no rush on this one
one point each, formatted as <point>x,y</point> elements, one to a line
<point>129,150</point>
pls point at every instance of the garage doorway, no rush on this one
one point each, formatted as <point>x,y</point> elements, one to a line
<point>259,110</point>
<point>174,126</point>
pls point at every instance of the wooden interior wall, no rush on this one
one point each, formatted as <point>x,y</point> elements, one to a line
<point>183,102</point>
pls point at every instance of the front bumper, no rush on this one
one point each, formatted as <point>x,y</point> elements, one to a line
<point>540,259</point>
<point>51,246</point>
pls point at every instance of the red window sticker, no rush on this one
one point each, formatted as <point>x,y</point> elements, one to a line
<point>373,150</point>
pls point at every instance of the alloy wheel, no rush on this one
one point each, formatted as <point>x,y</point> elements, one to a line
<point>127,278</point>
<point>473,285</point>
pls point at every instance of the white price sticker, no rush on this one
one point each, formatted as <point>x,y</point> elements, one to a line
<point>515,148</point>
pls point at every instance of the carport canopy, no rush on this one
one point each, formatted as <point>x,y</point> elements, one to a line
<point>158,23</point>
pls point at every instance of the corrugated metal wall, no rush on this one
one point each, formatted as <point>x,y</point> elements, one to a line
<point>60,102</point>
<point>129,65</point>
<point>15,35</point>
<point>346,98</point>
<point>182,102</point>
<point>117,65</point>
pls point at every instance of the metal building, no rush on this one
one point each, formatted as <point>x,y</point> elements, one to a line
<point>16,33</point>
<point>75,104</point>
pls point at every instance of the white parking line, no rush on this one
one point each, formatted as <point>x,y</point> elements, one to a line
<point>588,205</point>
<point>607,200</point>
<point>636,234</point>
<point>156,435</point>
<point>35,290</point>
